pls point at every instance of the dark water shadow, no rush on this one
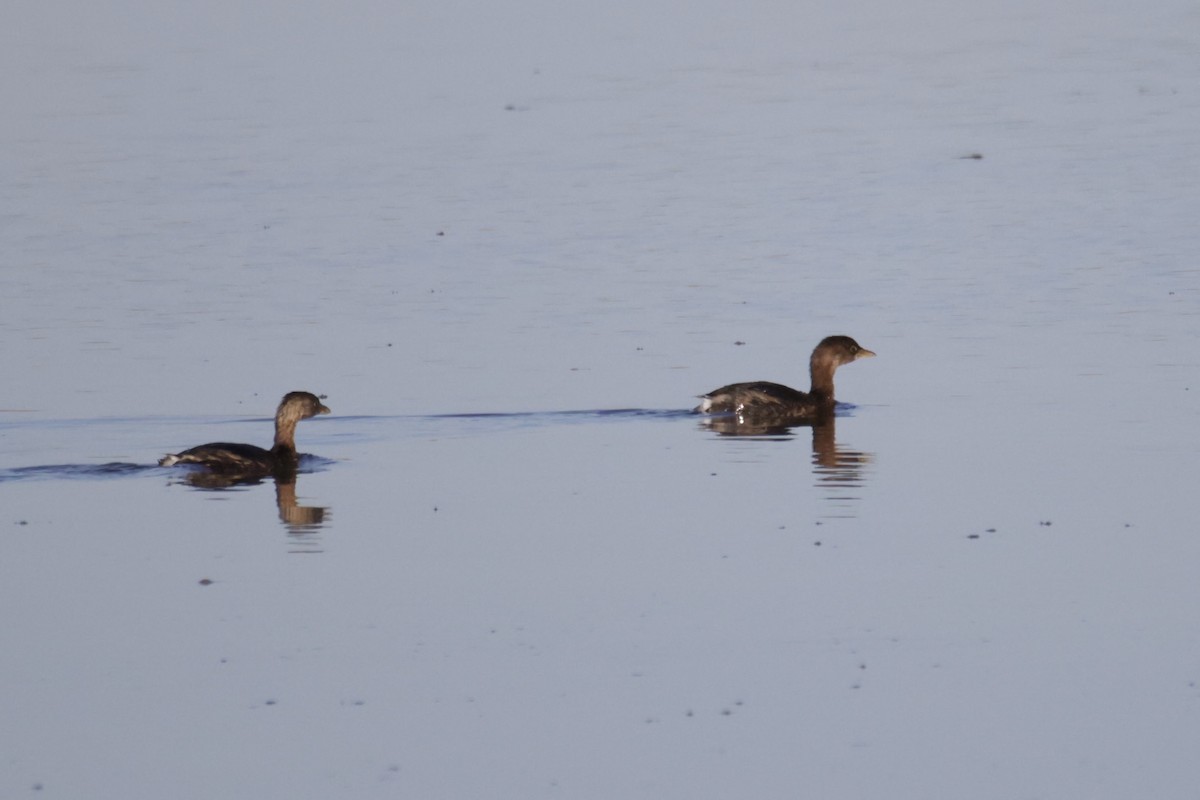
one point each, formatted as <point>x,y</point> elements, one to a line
<point>121,469</point>
<point>532,417</point>
<point>578,415</point>
<point>509,419</point>
<point>115,469</point>
<point>366,427</point>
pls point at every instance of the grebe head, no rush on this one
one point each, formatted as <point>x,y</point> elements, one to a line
<point>836,351</point>
<point>300,405</point>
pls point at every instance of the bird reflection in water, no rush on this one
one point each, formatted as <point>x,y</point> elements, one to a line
<point>302,522</point>
<point>838,470</point>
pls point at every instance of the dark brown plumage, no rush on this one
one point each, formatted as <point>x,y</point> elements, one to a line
<point>761,398</point>
<point>246,459</point>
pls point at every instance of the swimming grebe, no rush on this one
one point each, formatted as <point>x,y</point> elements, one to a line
<point>246,459</point>
<point>761,398</point>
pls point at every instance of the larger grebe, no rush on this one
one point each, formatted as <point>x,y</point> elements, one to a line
<point>761,398</point>
<point>246,459</point>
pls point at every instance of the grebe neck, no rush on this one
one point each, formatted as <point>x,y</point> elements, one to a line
<point>285,434</point>
<point>821,371</point>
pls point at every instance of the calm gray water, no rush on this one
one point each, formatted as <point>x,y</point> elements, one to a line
<point>511,244</point>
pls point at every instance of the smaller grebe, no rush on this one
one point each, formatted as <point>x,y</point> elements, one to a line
<point>246,459</point>
<point>761,398</point>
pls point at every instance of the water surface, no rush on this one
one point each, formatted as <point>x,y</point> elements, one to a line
<point>511,245</point>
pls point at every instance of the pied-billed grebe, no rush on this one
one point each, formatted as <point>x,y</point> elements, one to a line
<point>246,459</point>
<point>761,398</point>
